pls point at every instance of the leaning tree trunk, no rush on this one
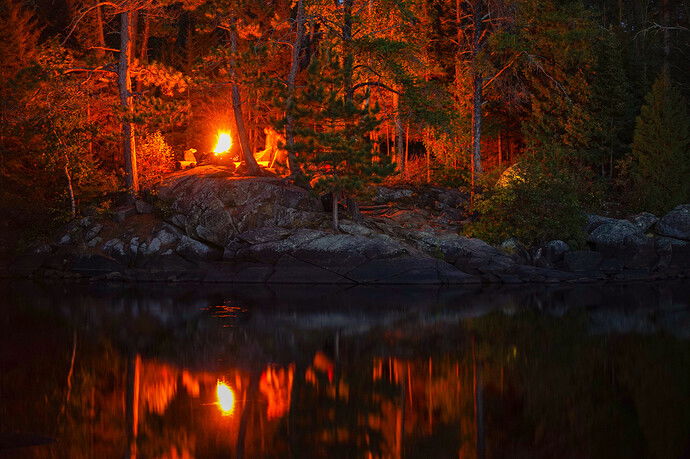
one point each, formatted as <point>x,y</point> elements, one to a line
<point>237,109</point>
<point>295,171</point>
<point>125,84</point>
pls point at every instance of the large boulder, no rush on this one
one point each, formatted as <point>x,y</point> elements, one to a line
<point>623,240</point>
<point>469,255</point>
<point>409,270</point>
<point>337,252</point>
<point>595,221</point>
<point>609,232</point>
<point>673,253</point>
<point>517,251</point>
<point>385,194</point>
<point>191,249</point>
<point>644,221</point>
<point>213,205</point>
<point>676,224</point>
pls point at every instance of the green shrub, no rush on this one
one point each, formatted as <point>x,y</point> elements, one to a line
<point>534,202</point>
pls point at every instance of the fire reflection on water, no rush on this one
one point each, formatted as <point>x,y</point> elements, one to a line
<point>226,398</point>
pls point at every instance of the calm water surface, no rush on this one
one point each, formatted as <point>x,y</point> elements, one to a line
<point>157,371</point>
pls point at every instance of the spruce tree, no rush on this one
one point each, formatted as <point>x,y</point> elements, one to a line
<point>660,167</point>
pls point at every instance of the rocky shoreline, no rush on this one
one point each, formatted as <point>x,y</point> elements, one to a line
<point>208,225</point>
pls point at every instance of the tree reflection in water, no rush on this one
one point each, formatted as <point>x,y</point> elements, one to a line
<point>532,378</point>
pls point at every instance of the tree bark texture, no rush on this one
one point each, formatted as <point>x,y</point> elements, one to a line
<point>290,102</point>
<point>334,213</point>
<point>237,110</point>
<point>348,58</point>
<point>100,35</point>
<point>125,85</point>
<point>399,135</point>
<point>144,47</point>
<point>477,99</point>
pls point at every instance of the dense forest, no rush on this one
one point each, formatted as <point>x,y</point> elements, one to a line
<point>541,110</point>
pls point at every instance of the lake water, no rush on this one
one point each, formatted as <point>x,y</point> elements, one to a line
<point>312,371</point>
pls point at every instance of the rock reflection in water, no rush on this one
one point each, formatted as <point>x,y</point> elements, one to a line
<point>586,371</point>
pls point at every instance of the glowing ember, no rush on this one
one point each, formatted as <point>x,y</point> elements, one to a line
<point>224,143</point>
<point>226,398</point>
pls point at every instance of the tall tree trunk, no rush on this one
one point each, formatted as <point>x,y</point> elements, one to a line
<point>477,97</point>
<point>428,165</point>
<point>399,134</point>
<point>407,143</point>
<point>295,170</point>
<point>477,84</point>
<point>237,108</point>
<point>125,84</point>
<point>144,46</point>
<point>100,35</point>
<point>334,212</point>
<point>666,19</point>
<point>348,59</point>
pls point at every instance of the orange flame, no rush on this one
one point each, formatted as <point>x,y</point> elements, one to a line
<point>226,398</point>
<point>224,143</point>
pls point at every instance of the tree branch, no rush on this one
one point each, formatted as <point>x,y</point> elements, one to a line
<point>506,67</point>
<point>102,69</point>
<point>375,83</point>
<point>87,11</point>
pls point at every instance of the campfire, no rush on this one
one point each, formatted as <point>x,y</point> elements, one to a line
<point>223,144</point>
<point>272,157</point>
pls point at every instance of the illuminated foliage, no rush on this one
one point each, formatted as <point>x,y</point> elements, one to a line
<point>154,158</point>
<point>540,201</point>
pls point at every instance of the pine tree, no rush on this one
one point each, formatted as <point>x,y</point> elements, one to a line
<point>661,149</point>
<point>555,39</point>
<point>611,107</point>
<point>331,131</point>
